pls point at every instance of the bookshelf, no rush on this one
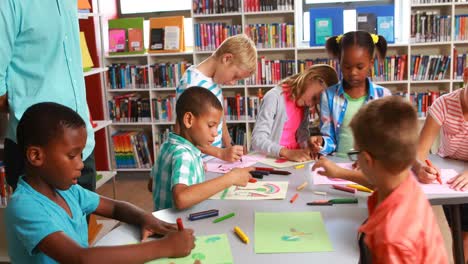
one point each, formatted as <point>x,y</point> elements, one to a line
<point>297,52</point>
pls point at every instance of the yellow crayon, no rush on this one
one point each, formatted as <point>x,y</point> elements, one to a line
<point>359,188</point>
<point>299,166</point>
<point>241,234</point>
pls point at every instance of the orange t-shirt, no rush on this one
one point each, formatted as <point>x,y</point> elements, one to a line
<point>403,228</point>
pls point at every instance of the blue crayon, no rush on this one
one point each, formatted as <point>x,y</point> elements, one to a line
<point>202,215</point>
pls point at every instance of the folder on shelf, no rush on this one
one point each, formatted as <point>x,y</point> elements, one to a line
<point>367,22</point>
<point>169,23</point>
<point>135,39</point>
<point>385,27</point>
<point>323,30</point>
<point>334,14</point>
<point>85,56</point>
<point>117,40</point>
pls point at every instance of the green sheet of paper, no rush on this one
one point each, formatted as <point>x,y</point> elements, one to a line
<point>290,232</point>
<point>208,249</point>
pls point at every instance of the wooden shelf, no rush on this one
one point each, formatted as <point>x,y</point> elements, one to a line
<point>431,4</point>
<point>101,124</point>
<point>233,14</point>
<point>95,71</point>
<point>164,123</point>
<point>164,89</point>
<point>423,44</point>
<point>87,15</point>
<point>267,13</point>
<point>118,90</point>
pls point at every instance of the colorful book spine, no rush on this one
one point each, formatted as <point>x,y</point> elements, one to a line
<point>268,5</point>
<point>302,65</point>
<point>271,71</point>
<point>461,27</point>
<point>216,6</point>
<point>160,137</point>
<point>168,75</point>
<point>127,76</point>
<point>460,62</point>
<point>164,109</point>
<point>429,67</point>
<point>277,35</point>
<point>392,68</point>
<point>208,36</point>
<point>129,108</point>
<point>430,27</point>
<point>422,101</point>
<point>234,107</point>
<point>238,135</point>
<point>131,150</point>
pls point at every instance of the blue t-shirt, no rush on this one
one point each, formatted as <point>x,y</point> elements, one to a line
<point>31,216</point>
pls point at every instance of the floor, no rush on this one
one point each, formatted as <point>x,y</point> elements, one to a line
<point>134,190</point>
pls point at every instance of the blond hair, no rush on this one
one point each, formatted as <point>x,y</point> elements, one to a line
<point>319,72</point>
<point>243,50</point>
<point>387,129</point>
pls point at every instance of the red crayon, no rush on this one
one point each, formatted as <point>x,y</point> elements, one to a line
<point>429,163</point>
<point>180,225</point>
<point>252,180</point>
<point>294,198</point>
<point>344,188</point>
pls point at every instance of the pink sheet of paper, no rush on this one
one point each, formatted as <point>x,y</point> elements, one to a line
<point>319,179</point>
<point>221,166</point>
<point>444,188</point>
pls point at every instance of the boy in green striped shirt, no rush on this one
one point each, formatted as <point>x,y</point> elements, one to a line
<point>178,174</point>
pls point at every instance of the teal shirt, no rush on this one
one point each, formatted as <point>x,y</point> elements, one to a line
<point>346,138</point>
<point>30,217</point>
<point>179,162</point>
<point>40,59</point>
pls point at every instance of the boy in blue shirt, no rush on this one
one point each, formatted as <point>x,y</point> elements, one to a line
<point>46,217</point>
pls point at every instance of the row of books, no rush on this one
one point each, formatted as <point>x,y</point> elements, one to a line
<point>131,150</point>
<point>160,137</point>
<point>437,1</point>
<point>460,62</point>
<point>238,135</point>
<point>129,108</point>
<point>302,65</point>
<point>429,67</point>
<point>164,109</point>
<point>234,107</point>
<point>216,6</point>
<point>268,5</point>
<point>276,35</point>
<point>461,27</point>
<point>422,101</point>
<point>430,27</point>
<point>128,76</point>
<point>392,68</point>
<point>208,36</point>
<point>271,71</point>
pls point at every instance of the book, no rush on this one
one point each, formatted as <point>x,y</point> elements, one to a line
<point>171,38</point>
<point>323,30</point>
<point>117,40</point>
<point>83,4</point>
<point>135,39</point>
<point>85,56</point>
<point>157,39</point>
<point>367,22</point>
<point>385,27</point>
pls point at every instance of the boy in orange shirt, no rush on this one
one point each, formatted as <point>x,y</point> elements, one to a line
<point>401,227</point>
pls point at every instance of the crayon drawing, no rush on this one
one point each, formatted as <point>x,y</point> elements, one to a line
<point>262,190</point>
<point>319,179</point>
<point>220,166</point>
<point>208,249</point>
<point>281,163</point>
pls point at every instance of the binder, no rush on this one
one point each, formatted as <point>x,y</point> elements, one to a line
<point>162,23</point>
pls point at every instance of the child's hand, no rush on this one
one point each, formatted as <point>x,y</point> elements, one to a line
<point>233,153</point>
<point>240,176</point>
<point>459,182</point>
<point>315,143</point>
<point>152,225</point>
<point>330,169</point>
<point>427,174</point>
<point>150,185</point>
<point>298,155</point>
<point>181,243</point>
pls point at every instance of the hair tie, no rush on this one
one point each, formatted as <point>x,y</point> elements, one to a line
<point>338,38</point>
<point>375,38</point>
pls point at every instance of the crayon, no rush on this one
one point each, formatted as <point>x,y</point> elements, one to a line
<point>252,180</point>
<point>299,166</point>
<point>429,163</point>
<point>222,218</point>
<point>302,186</point>
<point>344,188</point>
<point>180,225</point>
<point>320,202</point>
<point>359,188</point>
<point>241,235</point>
<point>203,215</point>
<point>294,198</point>
<point>320,193</point>
<point>344,201</point>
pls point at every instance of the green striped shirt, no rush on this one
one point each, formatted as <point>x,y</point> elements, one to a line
<point>179,162</point>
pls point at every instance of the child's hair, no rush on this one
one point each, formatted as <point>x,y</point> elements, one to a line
<point>243,50</point>
<point>43,122</point>
<point>196,100</point>
<point>387,128</point>
<point>318,72</point>
<point>362,39</point>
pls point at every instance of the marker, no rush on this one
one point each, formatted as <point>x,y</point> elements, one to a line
<point>344,201</point>
<point>302,186</point>
<point>320,202</point>
<point>252,180</point>
<point>320,193</point>
<point>262,172</point>
<point>241,235</point>
<point>203,215</point>
<point>256,175</point>
<point>263,169</point>
<point>359,188</point>
<point>294,198</point>
<point>299,166</point>
<point>217,220</point>
<point>429,163</point>
<point>344,188</point>
<point>280,172</point>
<point>180,225</point>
